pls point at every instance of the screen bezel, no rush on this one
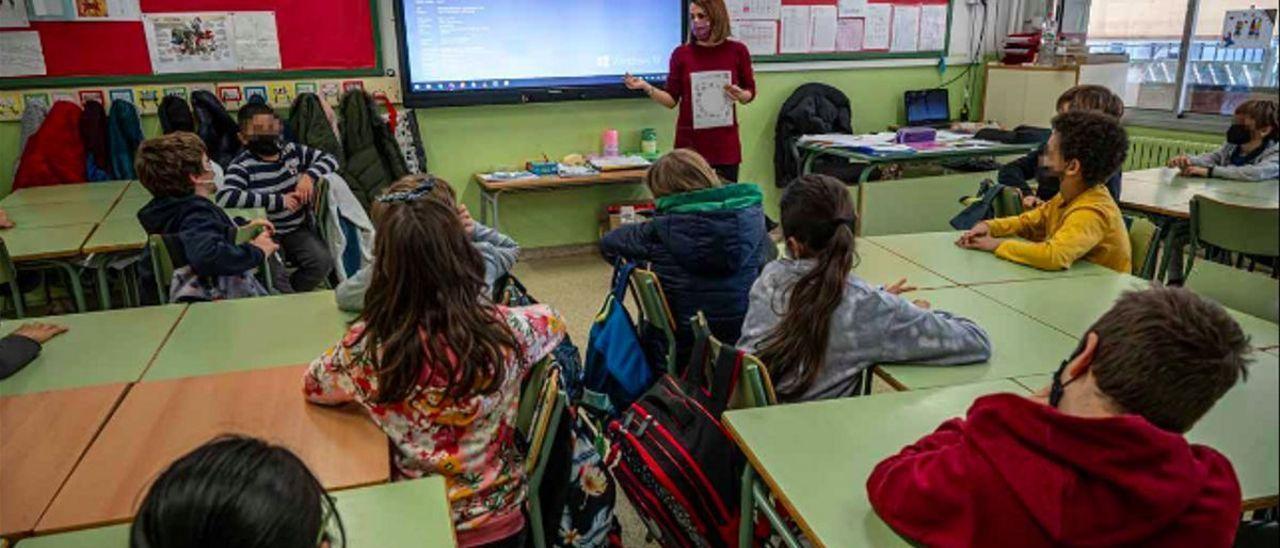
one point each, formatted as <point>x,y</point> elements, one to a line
<point>926,94</point>
<point>548,94</point>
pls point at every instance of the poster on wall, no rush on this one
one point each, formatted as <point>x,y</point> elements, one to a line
<point>83,10</point>
<point>1251,28</point>
<point>212,41</point>
<point>257,44</point>
<point>13,14</point>
<point>21,54</point>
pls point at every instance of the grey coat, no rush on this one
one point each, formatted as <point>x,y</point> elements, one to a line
<point>1265,168</point>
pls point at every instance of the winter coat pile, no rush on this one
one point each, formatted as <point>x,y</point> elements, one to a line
<point>68,144</point>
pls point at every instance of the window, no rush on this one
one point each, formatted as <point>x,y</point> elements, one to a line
<point>1217,77</point>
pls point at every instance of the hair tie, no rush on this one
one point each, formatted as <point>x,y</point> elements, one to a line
<point>410,195</point>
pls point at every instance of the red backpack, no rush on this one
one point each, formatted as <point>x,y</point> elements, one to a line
<point>675,461</point>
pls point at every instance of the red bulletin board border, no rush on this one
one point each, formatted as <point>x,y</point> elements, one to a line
<point>316,36</point>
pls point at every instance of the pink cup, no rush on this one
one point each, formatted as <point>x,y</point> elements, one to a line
<point>609,142</point>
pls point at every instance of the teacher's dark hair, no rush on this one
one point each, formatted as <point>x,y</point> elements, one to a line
<point>237,491</point>
<point>719,16</point>
<point>817,213</point>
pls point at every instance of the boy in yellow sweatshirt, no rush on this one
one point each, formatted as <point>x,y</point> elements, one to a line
<point>1082,221</point>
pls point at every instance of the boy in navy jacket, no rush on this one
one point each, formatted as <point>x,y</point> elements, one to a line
<point>176,170</point>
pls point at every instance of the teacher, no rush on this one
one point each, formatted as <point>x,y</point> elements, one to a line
<point>708,55</point>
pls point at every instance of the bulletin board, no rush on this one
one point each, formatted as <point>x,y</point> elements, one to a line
<point>316,39</point>
<point>834,30</point>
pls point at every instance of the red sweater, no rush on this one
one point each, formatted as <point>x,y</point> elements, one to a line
<point>55,153</point>
<point>1019,473</point>
<point>720,146</point>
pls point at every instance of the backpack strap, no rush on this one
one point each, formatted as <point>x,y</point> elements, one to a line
<point>724,378</point>
<point>622,279</point>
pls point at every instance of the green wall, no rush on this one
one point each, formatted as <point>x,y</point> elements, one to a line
<point>463,141</point>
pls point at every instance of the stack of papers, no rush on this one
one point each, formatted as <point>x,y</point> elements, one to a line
<point>617,163</point>
<point>508,176</point>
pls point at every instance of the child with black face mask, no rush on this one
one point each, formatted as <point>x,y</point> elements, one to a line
<point>1252,150</point>
<point>280,177</point>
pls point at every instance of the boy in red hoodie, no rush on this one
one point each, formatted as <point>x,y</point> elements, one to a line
<point>1098,458</point>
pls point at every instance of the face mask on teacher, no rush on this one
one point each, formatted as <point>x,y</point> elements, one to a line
<point>702,30</point>
<point>1239,134</point>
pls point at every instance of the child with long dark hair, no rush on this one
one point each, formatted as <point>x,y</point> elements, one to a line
<point>817,326</point>
<point>438,367</point>
<point>237,491</point>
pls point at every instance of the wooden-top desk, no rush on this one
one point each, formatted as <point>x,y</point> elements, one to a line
<point>161,421</point>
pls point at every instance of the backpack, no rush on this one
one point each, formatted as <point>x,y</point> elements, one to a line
<point>675,461</point>
<point>577,487</point>
<point>617,370</point>
<point>216,127</point>
<point>508,291</point>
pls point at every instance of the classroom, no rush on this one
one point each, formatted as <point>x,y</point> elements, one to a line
<point>671,273</point>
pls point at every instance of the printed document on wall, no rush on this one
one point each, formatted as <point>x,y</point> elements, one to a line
<point>257,44</point>
<point>906,29</point>
<point>823,27</point>
<point>21,54</point>
<point>796,29</point>
<point>933,28</point>
<point>849,34</point>
<point>877,27</point>
<point>13,14</point>
<point>853,8</point>
<point>190,42</point>
<point>712,106</point>
<point>760,37</point>
<point>753,9</point>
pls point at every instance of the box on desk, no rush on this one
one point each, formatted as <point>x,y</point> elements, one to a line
<point>616,215</point>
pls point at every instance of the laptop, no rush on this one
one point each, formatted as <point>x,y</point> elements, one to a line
<point>928,108</point>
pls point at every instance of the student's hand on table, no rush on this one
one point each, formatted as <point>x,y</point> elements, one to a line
<point>292,202</point>
<point>982,243</point>
<point>922,304</point>
<point>1180,162</point>
<point>266,244</point>
<point>267,226</point>
<point>738,94</point>
<point>5,221</point>
<point>305,189</point>
<point>1031,202</point>
<point>1195,171</point>
<point>40,332</point>
<point>468,223</point>
<point>900,287</point>
<point>978,230</point>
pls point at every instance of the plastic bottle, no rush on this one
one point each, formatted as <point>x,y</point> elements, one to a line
<point>649,141</point>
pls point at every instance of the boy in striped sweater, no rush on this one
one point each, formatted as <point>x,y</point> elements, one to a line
<point>280,177</point>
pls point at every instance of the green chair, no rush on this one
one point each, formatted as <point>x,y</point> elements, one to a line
<point>541,433</point>
<point>655,311</point>
<point>162,259</point>
<point>1249,292</point>
<point>1233,228</point>
<point>1008,203</point>
<point>9,276</point>
<point>1144,238</point>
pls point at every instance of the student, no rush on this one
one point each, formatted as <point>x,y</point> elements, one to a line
<point>1018,172</point>
<point>1252,151</point>
<point>237,491</point>
<point>176,171</point>
<point>1083,220</point>
<point>1098,458</point>
<point>709,49</point>
<point>438,369</point>
<point>706,242</point>
<point>280,177</point>
<point>817,326</point>
<point>23,345</point>
<point>498,250</point>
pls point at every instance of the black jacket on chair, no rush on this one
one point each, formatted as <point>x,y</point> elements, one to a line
<point>812,109</point>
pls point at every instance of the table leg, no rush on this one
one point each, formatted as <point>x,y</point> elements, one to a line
<point>104,286</point>
<point>493,203</point>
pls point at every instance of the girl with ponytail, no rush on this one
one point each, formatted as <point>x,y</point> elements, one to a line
<point>817,326</point>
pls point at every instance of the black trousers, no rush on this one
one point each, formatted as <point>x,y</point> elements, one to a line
<point>309,255</point>
<point>728,172</point>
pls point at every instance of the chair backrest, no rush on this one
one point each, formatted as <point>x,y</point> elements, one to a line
<point>530,393</point>
<point>320,205</point>
<point>1149,152</point>
<point>754,388</point>
<point>655,310</point>
<point>552,402</point>
<point>1249,292</point>
<point>161,265</point>
<point>1143,235</point>
<point>8,272</point>
<point>1008,203</point>
<point>1234,228</point>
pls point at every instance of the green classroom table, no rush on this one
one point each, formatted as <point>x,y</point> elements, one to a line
<point>99,348</point>
<point>103,192</point>
<point>58,214</point>
<point>114,235</point>
<point>938,252</point>
<point>247,334</point>
<point>815,457</point>
<point>408,513</point>
<point>1073,304</point>
<point>1244,425</point>
<point>135,192</point>
<point>877,266</point>
<point>127,208</point>
<point>55,242</point>
<point>1020,345</point>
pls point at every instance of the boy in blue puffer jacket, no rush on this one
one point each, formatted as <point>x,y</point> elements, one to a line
<point>707,244</point>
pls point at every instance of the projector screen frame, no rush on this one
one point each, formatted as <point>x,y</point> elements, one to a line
<point>544,94</point>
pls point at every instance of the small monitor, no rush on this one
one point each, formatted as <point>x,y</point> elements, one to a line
<point>928,107</point>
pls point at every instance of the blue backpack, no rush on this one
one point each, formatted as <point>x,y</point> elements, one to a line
<point>617,371</point>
